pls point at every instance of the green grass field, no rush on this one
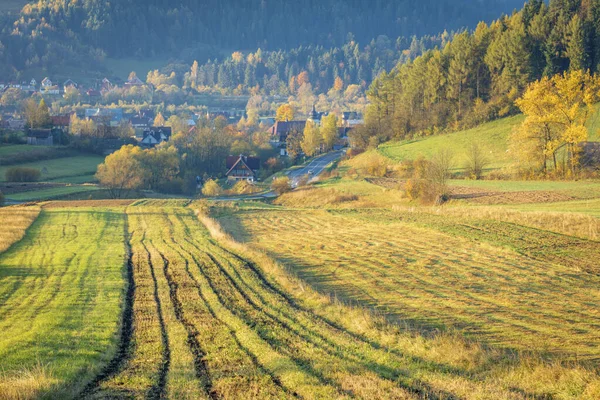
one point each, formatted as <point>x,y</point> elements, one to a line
<point>492,137</point>
<point>8,150</point>
<point>62,168</point>
<point>53,193</point>
<point>60,301</point>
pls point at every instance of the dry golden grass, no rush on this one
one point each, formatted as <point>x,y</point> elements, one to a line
<point>26,384</point>
<point>469,369</point>
<point>14,222</point>
<point>434,279</point>
<point>572,224</point>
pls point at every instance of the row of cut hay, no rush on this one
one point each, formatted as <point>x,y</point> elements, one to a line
<point>499,370</point>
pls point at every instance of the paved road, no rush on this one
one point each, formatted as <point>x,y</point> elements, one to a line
<point>314,168</point>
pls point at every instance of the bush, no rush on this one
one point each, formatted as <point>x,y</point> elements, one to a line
<point>281,185</point>
<point>211,188</point>
<point>243,187</point>
<point>22,174</point>
<point>477,161</point>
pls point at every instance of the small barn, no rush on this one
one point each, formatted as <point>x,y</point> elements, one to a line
<point>242,168</point>
<point>40,137</point>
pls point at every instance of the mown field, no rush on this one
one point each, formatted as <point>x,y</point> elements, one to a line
<point>61,290</point>
<point>165,305</point>
<point>507,285</point>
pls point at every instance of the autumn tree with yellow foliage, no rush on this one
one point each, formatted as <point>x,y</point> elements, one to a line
<point>285,112</point>
<point>556,110</point>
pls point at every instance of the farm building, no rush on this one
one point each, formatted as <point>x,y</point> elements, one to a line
<point>40,137</point>
<point>240,168</point>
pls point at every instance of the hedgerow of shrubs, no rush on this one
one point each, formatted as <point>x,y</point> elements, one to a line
<point>23,174</point>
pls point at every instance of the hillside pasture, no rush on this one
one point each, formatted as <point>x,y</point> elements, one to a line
<point>492,137</point>
<point>60,300</point>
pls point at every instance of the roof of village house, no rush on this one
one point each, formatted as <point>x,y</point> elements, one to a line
<point>140,121</point>
<point>251,163</point>
<point>283,128</point>
<point>61,120</point>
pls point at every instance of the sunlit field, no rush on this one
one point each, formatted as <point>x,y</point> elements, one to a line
<point>61,290</point>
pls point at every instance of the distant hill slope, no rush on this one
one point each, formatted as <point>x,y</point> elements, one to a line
<point>71,32</point>
<point>12,5</point>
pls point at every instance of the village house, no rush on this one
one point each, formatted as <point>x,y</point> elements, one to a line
<point>40,137</point>
<point>155,135</point>
<point>49,88</point>
<point>106,86</point>
<point>61,122</point>
<point>281,130</point>
<point>105,116</point>
<point>242,168</point>
<point>69,83</point>
<point>134,81</point>
<point>138,122</point>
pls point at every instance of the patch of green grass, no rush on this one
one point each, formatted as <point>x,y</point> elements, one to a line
<point>61,289</point>
<point>61,168</point>
<point>53,193</point>
<point>492,137</point>
<point>7,150</point>
<point>76,180</point>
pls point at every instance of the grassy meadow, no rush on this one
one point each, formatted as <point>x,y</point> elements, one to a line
<point>60,300</point>
<point>493,137</point>
<point>61,168</point>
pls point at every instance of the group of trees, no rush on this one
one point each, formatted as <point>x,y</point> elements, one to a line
<point>284,72</point>
<point>173,166</point>
<point>83,33</point>
<point>556,111</point>
<point>478,76</point>
<point>314,139</point>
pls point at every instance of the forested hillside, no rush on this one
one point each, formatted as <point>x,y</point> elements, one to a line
<point>478,76</point>
<point>52,32</point>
